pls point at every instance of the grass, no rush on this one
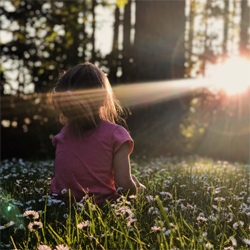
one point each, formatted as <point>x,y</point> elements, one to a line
<point>191,203</point>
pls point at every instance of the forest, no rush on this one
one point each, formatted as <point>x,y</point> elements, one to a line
<point>133,42</point>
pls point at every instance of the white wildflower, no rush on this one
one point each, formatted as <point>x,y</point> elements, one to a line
<point>9,224</point>
<point>155,228</point>
<point>246,241</point>
<point>33,226</point>
<point>234,242</point>
<point>209,245</point>
<point>236,224</point>
<point>87,223</point>
<point>190,206</point>
<point>130,222</point>
<point>202,218</point>
<point>150,198</point>
<point>168,232</point>
<point>228,248</point>
<point>204,234</point>
<point>244,207</point>
<point>61,247</point>
<point>44,247</point>
<point>103,235</point>
<point>64,191</point>
<point>153,210</point>
<point>31,214</point>
<point>230,217</point>
<point>167,193</point>
<point>92,206</point>
<point>132,196</point>
<point>215,207</point>
<point>219,199</point>
<point>172,225</point>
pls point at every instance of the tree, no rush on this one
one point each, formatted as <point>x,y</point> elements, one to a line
<point>244,27</point>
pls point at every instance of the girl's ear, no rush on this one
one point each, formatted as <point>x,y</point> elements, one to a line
<point>63,119</point>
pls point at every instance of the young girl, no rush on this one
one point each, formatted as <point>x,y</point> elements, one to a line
<point>92,151</point>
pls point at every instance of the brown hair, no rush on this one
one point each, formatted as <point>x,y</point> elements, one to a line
<point>84,95</point>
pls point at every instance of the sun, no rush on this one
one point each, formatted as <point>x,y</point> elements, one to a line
<point>233,76</point>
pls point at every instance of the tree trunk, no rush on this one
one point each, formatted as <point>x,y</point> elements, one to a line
<point>93,53</point>
<point>159,39</point>
<point>244,26</point>
<point>126,52</point>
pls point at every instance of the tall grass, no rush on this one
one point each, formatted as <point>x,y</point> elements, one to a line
<point>191,203</point>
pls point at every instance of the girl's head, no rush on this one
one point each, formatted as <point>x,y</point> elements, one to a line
<point>83,97</point>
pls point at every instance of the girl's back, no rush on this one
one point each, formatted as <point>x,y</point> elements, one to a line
<point>92,151</point>
<point>84,164</point>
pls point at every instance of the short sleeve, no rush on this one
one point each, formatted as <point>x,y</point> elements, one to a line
<point>119,136</point>
<point>54,141</point>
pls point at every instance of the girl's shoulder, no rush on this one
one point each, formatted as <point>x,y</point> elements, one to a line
<point>108,123</point>
<point>111,126</point>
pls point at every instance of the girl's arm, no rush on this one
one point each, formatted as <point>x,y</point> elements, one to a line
<point>139,186</point>
<point>122,170</point>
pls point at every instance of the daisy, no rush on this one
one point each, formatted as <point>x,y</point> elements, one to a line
<point>61,247</point>
<point>204,234</point>
<point>153,210</point>
<point>33,226</point>
<point>87,223</point>
<point>130,222</point>
<point>190,206</point>
<point>132,215</point>
<point>230,217</point>
<point>219,199</point>
<point>31,214</point>
<point>202,218</point>
<point>132,196</point>
<point>236,224</point>
<point>92,206</point>
<point>172,225</point>
<point>24,171</point>
<point>64,191</point>
<point>167,193</point>
<point>215,207</point>
<point>168,232</point>
<point>103,235</point>
<point>150,198</point>
<point>244,207</point>
<point>44,247</point>
<point>209,245</point>
<point>155,228</point>
<point>234,242</point>
<point>9,224</point>
<point>246,241</point>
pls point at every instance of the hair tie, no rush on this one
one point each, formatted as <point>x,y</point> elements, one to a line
<point>68,91</point>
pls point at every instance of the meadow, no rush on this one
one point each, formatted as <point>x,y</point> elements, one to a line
<point>191,203</point>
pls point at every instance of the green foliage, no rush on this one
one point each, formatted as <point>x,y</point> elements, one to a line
<point>49,37</point>
<point>191,203</point>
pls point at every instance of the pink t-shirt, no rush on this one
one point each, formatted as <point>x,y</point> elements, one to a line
<point>85,164</point>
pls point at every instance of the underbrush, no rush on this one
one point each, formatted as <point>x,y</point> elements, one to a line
<point>191,203</point>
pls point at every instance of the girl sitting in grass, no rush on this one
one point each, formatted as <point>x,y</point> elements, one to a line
<point>92,151</point>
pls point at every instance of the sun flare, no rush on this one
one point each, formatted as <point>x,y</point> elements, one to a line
<point>233,76</point>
